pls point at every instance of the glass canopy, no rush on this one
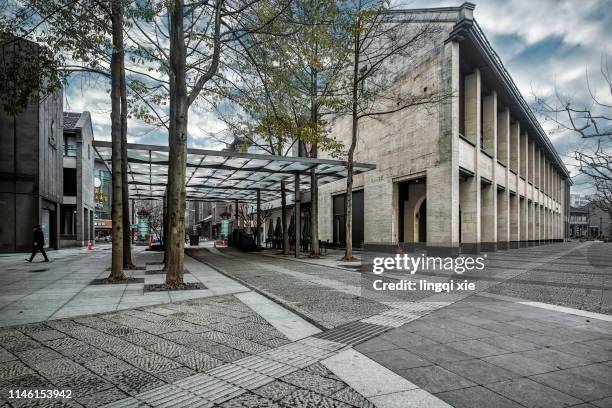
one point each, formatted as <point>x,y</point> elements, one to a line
<point>222,175</point>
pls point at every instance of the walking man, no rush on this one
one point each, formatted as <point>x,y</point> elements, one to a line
<point>38,244</point>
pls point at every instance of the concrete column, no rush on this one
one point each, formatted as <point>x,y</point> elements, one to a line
<point>524,161</point>
<point>515,208</point>
<point>469,187</point>
<point>503,196</point>
<point>488,193</point>
<point>298,213</point>
<point>443,179</point>
<point>532,217</point>
<point>544,200</point>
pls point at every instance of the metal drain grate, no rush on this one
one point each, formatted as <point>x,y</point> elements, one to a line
<point>352,333</point>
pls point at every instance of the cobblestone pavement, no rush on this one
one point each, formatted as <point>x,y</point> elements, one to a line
<point>156,355</point>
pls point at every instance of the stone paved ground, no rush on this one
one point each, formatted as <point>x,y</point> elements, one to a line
<point>109,357</point>
<point>477,352</point>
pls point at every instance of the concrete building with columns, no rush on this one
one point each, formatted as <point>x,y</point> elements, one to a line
<point>477,173</point>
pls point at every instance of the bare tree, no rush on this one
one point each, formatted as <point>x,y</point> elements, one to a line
<point>592,122</point>
<point>381,45</point>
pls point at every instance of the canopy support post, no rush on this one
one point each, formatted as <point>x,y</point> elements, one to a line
<point>258,237</point>
<point>297,214</point>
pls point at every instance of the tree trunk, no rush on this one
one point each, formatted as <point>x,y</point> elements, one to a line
<point>348,201</point>
<point>177,141</point>
<point>117,210</point>
<point>127,231</point>
<point>284,218</point>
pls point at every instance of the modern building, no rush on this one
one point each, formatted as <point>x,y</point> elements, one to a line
<point>589,222</point>
<point>77,214</point>
<point>102,196</point>
<point>477,172</point>
<point>579,200</point>
<point>31,147</point>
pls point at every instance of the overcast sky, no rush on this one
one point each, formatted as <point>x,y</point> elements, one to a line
<point>544,44</point>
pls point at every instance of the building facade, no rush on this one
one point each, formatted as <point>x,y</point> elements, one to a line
<point>475,173</point>
<point>589,222</point>
<point>77,215</point>
<point>31,148</point>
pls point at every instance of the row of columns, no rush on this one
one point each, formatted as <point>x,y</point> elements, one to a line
<point>528,207</point>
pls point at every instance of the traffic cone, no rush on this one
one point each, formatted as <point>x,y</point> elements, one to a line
<point>89,246</point>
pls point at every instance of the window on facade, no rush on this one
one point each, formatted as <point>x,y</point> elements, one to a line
<point>69,146</point>
<point>88,152</point>
<point>70,182</point>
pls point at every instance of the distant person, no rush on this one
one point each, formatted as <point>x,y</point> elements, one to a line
<point>38,244</point>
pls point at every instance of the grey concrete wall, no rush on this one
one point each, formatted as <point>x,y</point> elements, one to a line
<point>31,171</point>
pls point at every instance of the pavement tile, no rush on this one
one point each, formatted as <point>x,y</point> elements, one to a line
<point>477,348</point>
<point>275,390</point>
<point>554,358</point>
<point>352,397</point>
<point>590,352</point>
<point>134,381</point>
<point>38,354</point>
<point>249,400</point>
<point>175,374</point>
<point>403,338</point>
<point>412,398</point>
<point>375,344</point>
<point>435,379</point>
<point>440,353</point>
<point>6,356</point>
<point>306,398</point>
<point>153,363</point>
<point>479,371</point>
<point>83,353</point>
<point>313,382</point>
<point>84,383</point>
<point>13,369</point>
<point>100,398</point>
<point>198,361</point>
<point>533,394</point>
<point>398,359</point>
<point>520,364</point>
<point>603,403</point>
<point>477,397</point>
<point>570,382</point>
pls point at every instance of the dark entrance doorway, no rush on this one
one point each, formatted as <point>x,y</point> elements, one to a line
<point>339,225</point>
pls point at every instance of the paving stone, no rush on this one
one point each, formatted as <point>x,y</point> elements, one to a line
<point>570,382</point>
<point>64,343</point>
<point>519,364</point>
<point>143,339</point>
<point>27,381</point>
<point>532,394</point>
<point>98,399</point>
<point>590,352</point>
<point>511,344</point>
<point>477,348</point>
<point>398,359</point>
<point>6,356</point>
<point>305,398</point>
<point>435,379</point>
<point>375,344</point>
<point>310,381</point>
<point>198,361</point>
<point>169,349</point>
<point>479,371</point>
<point>249,400</point>
<point>175,374</point>
<point>11,335</point>
<point>153,363</point>
<point>38,354</point>
<point>555,358</point>
<point>134,381</point>
<point>275,390</point>
<point>84,383</point>
<point>440,353</point>
<point>352,397</point>
<point>22,344</point>
<point>45,335</point>
<point>106,366</point>
<point>13,369</point>
<point>83,354</point>
<point>476,397</point>
<point>58,367</point>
